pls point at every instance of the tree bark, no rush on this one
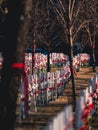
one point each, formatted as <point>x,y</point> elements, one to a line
<point>16,31</point>
<point>93,55</point>
<point>71,68</point>
<point>92,42</point>
<point>48,60</point>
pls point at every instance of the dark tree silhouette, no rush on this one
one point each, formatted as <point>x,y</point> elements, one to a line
<point>16,29</point>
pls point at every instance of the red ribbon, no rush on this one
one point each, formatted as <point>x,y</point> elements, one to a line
<point>85,115</point>
<point>91,106</point>
<point>91,95</point>
<point>18,65</point>
<point>50,88</point>
<point>34,57</point>
<point>85,121</point>
<point>74,71</point>
<point>37,92</point>
<point>44,89</point>
<point>59,85</point>
<point>84,128</point>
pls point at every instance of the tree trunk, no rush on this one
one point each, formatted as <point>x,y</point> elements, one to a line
<point>33,36</point>
<point>92,42</point>
<point>93,56</point>
<point>72,69</point>
<point>33,57</point>
<point>48,61</point>
<point>16,31</point>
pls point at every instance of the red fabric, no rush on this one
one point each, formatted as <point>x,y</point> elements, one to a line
<point>74,71</point>
<point>86,108</point>
<point>91,95</point>
<point>50,88</point>
<point>84,128</point>
<point>44,89</point>
<point>85,121</point>
<point>34,57</point>
<point>37,92</point>
<point>18,65</point>
<point>59,85</point>
<point>85,115</point>
<point>97,93</point>
<point>91,106</point>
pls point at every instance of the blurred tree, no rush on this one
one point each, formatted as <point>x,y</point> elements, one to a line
<point>13,53</point>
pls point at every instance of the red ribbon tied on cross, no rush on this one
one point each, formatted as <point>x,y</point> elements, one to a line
<point>18,66</point>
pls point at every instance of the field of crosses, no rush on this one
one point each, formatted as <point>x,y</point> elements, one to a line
<point>41,87</point>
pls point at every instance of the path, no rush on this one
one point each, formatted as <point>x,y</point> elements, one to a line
<point>38,120</point>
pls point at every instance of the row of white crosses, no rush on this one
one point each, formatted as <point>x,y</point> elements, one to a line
<point>28,68</point>
<point>85,58</point>
<point>86,104</point>
<point>40,61</point>
<point>42,87</point>
<point>45,87</point>
<point>81,60</point>
<point>28,63</point>
<point>62,121</point>
<point>77,61</point>
<point>58,58</point>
